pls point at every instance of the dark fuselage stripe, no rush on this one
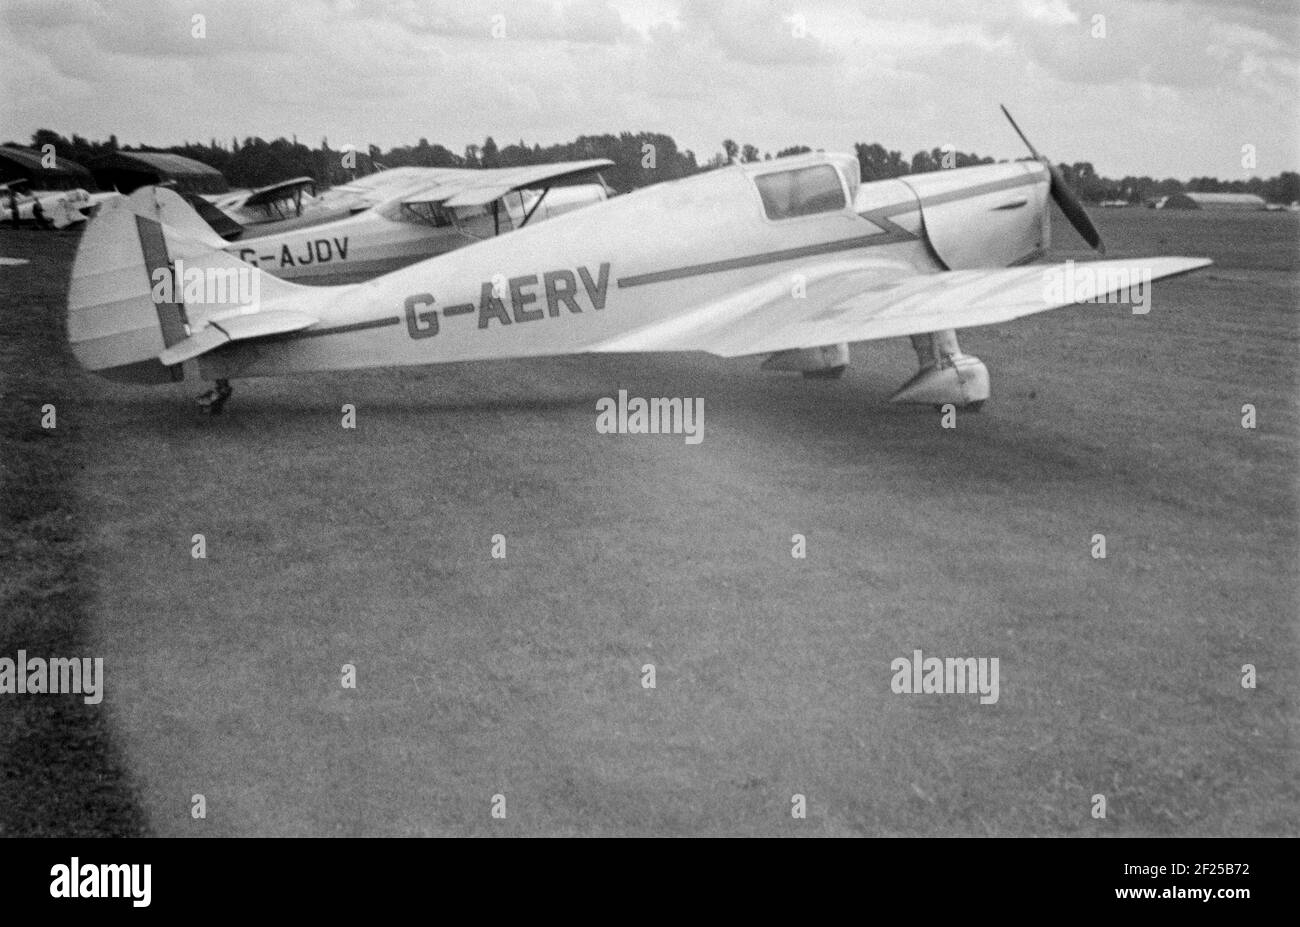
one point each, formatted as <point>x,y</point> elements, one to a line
<point>993,186</point>
<point>336,330</point>
<point>769,257</point>
<point>892,235</point>
<point>1028,258</point>
<point>879,216</point>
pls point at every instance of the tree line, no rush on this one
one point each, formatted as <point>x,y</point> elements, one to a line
<point>640,158</point>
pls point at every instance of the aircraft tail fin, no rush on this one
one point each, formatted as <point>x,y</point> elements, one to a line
<point>218,221</point>
<point>179,213</point>
<point>145,297</point>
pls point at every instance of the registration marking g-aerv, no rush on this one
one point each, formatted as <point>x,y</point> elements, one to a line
<point>515,299</point>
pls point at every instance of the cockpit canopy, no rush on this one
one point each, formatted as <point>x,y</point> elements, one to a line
<point>801,192</point>
<point>807,185</point>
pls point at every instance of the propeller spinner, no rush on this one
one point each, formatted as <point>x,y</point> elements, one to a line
<point>1065,198</point>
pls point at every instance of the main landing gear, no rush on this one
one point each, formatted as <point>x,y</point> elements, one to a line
<point>945,375</point>
<point>969,407</point>
<point>214,400</point>
<point>824,363</point>
<point>826,373</point>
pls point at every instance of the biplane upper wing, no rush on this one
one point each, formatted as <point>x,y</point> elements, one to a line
<point>277,191</point>
<point>846,301</point>
<point>480,187</point>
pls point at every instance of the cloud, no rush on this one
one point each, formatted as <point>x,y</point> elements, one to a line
<point>1173,87</point>
<point>766,32</point>
<point>584,21</point>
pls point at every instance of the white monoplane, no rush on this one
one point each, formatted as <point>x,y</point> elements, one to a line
<point>788,260</point>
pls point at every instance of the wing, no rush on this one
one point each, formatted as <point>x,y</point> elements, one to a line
<point>278,191</point>
<point>480,187</point>
<point>847,301</point>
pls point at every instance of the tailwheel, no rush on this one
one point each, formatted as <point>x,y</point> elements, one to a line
<point>214,400</point>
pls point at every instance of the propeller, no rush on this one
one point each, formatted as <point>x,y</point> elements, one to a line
<point>1063,195</point>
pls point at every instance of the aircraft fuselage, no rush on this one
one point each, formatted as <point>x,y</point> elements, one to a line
<point>577,283</point>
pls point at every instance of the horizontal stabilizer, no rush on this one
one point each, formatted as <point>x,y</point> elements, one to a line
<point>235,328</point>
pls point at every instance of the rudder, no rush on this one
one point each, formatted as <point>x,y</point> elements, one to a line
<point>140,288</point>
<point>114,326</point>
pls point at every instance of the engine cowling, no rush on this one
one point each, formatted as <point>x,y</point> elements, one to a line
<point>1006,222</point>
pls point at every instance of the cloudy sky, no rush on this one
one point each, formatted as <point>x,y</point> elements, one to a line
<point>1159,87</point>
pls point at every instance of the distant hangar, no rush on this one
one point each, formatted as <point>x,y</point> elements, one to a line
<point>126,171</point>
<point>1211,201</point>
<point>29,165</point>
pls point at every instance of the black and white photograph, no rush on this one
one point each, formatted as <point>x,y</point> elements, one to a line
<point>649,418</point>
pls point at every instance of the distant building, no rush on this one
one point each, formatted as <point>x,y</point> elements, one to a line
<point>126,171</point>
<point>26,164</point>
<point>1211,201</point>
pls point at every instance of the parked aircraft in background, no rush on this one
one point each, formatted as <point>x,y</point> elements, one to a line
<point>286,201</point>
<point>389,219</point>
<point>58,208</point>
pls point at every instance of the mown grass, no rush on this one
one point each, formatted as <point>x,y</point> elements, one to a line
<point>60,773</point>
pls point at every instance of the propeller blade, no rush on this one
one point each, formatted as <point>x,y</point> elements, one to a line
<point>1064,197</point>
<point>1023,137</point>
<point>1074,211</point>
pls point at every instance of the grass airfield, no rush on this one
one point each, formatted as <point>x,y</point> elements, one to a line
<point>522,676</point>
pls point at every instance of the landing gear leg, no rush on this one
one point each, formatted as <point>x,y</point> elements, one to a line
<point>946,375</point>
<point>214,400</point>
<point>827,362</point>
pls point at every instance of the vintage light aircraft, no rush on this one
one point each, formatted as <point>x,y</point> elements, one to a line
<point>58,208</point>
<point>286,201</point>
<point>788,260</point>
<point>386,220</point>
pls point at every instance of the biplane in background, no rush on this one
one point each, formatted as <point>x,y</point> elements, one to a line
<point>383,221</point>
<point>293,200</point>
